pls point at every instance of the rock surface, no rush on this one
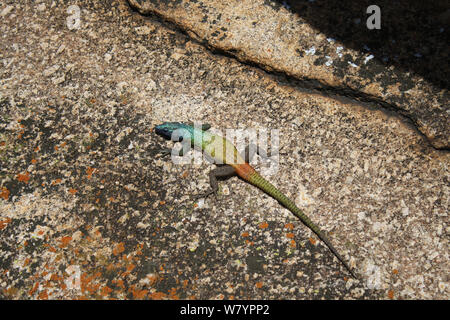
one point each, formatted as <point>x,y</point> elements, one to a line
<point>89,209</point>
<point>403,66</point>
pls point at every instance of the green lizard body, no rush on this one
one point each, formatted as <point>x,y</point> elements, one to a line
<point>224,152</point>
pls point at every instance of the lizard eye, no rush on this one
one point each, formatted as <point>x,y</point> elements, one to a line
<point>162,132</point>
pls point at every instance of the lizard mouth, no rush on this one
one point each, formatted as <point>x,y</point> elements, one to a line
<point>167,129</point>
<point>162,131</point>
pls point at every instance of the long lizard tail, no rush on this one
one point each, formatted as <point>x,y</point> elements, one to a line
<point>256,179</point>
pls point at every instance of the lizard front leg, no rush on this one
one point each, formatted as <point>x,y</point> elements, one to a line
<point>225,171</point>
<point>167,152</point>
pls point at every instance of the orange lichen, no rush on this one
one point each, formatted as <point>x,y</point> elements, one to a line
<point>86,284</point>
<point>4,223</point>
<point>289,226</point>
<point>245,234</point>
<point>157,295</point>
<point>119,249</point>
<point>33,161</point>
<point>33,290</point>
<point>263,225</point>
<point>90,171</point>
<point>259,285</point>
<point>26,262</point>
<point>73,191</point>
<point>395,271</point>
<point>23,177</point>
<point>11,291</point>
<point>290,235</point>
<point>119,283</point>
<point>173,294</point>
<point>65,241</point>
<point>293,243</point>
<point>130,267</point>
<point>313,241</point>
<point>126,258</point>
<point>43,295</point>
<point>391,294</point>
<point>57,181</point>
<point>105,291</point>
<point>139,248</point>
<point>55,277</point>
<point>4,194</point>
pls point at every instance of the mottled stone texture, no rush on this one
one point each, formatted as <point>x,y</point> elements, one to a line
<point>90,209</point>
<point>402,66</point>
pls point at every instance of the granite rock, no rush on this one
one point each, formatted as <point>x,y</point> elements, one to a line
<point>90,209</point>
<point>403,66</point>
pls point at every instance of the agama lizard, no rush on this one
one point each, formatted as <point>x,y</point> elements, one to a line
<point>235,164</point>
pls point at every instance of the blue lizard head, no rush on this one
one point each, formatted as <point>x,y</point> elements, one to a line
<point>167,128</point>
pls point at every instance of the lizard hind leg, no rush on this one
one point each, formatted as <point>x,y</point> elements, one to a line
<point>222,172</point>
